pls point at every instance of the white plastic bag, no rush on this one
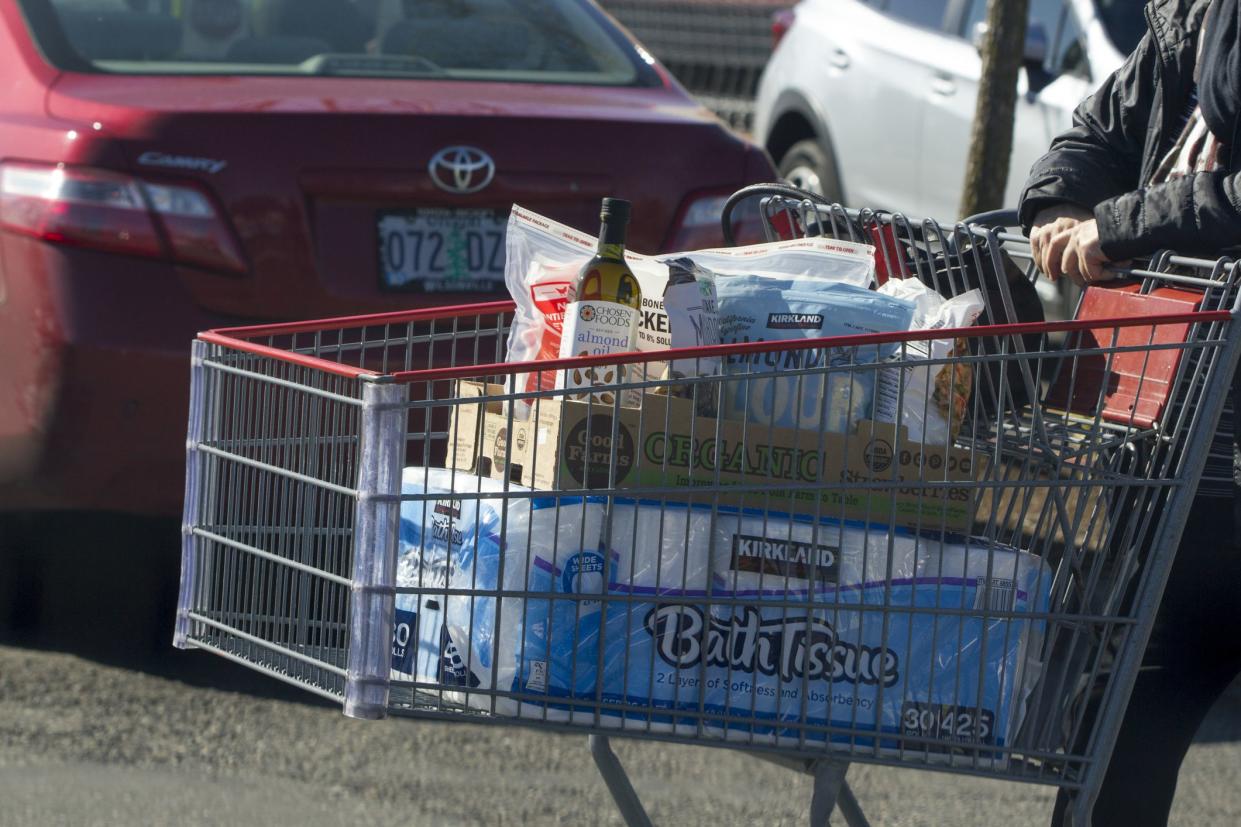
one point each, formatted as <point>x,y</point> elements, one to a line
<point>544,256</point>
<point>935,398</point>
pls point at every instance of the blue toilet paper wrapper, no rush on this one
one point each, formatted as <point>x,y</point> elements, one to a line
<point>742,625</point>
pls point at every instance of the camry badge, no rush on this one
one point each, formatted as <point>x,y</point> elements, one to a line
<point>189,162</point>
<point>462,169</point>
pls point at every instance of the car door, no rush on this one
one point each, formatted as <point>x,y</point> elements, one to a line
<point>1046,96</point>
<point>873,51</point>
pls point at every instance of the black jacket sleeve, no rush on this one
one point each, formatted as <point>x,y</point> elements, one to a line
<point>1098,163</point>
<point>1100,156</point>
<point>1197,214</point>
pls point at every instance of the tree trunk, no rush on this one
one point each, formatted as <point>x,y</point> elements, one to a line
<point>991,140</point>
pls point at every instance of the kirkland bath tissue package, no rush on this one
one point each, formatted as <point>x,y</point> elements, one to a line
<point>697,613</point>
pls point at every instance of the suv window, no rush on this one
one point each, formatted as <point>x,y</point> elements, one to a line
<point>565,41</point>
<point>1068,56</point>
<point>1066,48</point>
<point>926,13</point>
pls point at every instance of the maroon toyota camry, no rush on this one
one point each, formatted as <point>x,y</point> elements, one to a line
<point>168,166</point>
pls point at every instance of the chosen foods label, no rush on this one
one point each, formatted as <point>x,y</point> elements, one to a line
<point>597,328</point>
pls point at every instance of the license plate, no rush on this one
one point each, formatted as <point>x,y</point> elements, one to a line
<point>442,250</point>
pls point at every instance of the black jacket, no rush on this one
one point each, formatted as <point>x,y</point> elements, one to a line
<point>1122,132</point>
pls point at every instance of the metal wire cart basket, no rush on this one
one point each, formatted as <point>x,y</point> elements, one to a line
<point>755,556</point>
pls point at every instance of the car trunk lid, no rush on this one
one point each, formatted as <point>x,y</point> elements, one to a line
<point>306,170</point>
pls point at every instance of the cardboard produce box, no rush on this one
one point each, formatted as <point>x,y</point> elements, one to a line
<point>568,445</point>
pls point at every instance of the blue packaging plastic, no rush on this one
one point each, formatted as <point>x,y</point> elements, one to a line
<point>467,538</point>
<point>761,308</point>
<point>689,626</point>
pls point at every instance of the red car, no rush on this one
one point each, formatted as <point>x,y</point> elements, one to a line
<point>168,166</point>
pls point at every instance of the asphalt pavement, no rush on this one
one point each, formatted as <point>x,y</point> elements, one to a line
<point>82,743</point>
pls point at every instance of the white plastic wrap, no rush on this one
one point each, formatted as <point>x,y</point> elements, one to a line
<point>544,256</point>
<point>664,641</point>
<point>935,398</point>
<point>450,642</point>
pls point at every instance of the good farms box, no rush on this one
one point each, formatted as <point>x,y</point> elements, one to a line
<point>662,451</point>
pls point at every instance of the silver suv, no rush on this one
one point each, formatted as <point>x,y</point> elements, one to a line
<point>871,101</point>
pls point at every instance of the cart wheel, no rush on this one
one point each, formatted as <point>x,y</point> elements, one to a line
<point>809,167</point>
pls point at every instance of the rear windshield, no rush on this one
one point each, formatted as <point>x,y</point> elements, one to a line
<point>556,41</point>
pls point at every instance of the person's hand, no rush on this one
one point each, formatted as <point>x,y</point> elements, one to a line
<point>1083,260</point>
<point>1053,229</point>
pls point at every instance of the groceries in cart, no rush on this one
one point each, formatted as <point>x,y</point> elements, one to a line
<point>755,606</point>
<point>794,290</point>
<point>765,624</point>
<point>544,258</point>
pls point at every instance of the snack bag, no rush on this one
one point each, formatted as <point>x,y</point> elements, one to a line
<point>934,399</point>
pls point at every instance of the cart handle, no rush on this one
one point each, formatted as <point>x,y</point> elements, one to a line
<point>990,219</point>
<point>994,218</point>
<point>787,190</point>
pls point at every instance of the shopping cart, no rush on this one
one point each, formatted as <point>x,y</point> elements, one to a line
<point>383,512</point>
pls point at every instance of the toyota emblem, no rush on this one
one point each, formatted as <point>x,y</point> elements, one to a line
<point>462,169</point>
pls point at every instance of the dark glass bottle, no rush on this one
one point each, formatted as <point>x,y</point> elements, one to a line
<point>604,300</point>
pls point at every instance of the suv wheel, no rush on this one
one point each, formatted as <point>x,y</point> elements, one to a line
<point>806,166</point>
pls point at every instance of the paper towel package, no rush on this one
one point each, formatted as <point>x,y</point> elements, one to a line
<point>465,539</point>
<point>662,616</point>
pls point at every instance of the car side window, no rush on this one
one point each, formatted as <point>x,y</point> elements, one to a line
<point>1046,13</point>
<point>928,14</point>
<point>1068,57</point>
<point>1066,48</point>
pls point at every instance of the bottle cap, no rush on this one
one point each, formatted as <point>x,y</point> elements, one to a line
<point>615,210</point>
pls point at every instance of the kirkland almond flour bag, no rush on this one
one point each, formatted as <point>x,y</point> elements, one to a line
<point>791,389</point>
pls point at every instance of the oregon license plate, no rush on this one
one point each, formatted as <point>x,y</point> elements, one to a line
<point>442,250</point>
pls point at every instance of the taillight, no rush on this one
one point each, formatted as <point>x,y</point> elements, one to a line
<point>699,226</point>
<point>88,208</point>
<point>195,231</point>
<point>116,213</point>
<point>781,22</point>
